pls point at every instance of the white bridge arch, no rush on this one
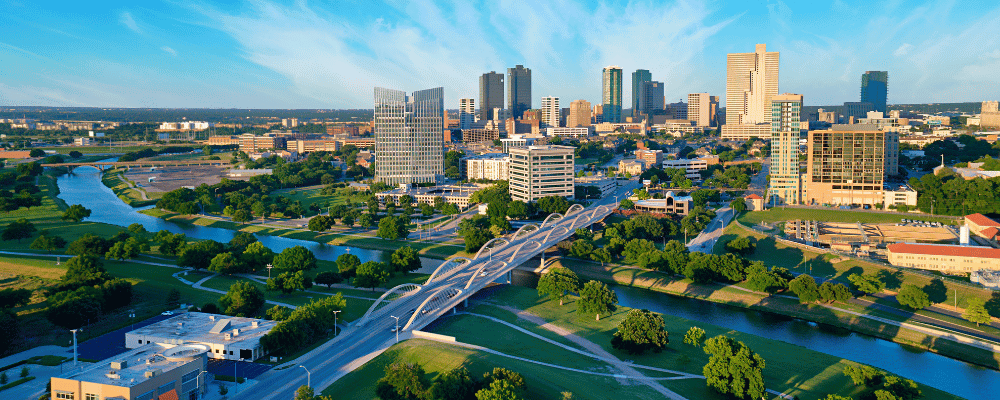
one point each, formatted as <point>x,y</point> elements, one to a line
<point>439,298</point>
<point>448,265</point>
<point>387,298</point>
<point>558,217</point>
<point>490,245</point>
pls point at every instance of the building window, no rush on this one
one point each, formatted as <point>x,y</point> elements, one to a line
<point>64,395</point>
<point>91,396</point>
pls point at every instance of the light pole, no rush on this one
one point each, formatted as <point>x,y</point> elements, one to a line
<point>491,254</point>
<point>198,378</point>
<point>397,327</point>
<point>308,376</point>
<point>236,378</point>
<point>335,330</point>
<point>269,271</point>
<point>74,345</point>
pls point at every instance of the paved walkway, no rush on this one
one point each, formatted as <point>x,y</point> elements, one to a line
<point>142,192</point>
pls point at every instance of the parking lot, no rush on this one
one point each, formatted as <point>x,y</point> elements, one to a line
<point>112,343</point>
<point>170,178</point>
<point>241,369</point>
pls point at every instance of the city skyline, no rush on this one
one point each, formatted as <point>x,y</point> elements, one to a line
<point>275,55</point>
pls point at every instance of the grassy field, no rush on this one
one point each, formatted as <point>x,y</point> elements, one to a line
<point>311,195</point>
<point>355,307</point>
<point>790,369</point>
<point>125,191</point>
<point>827,265</point>
<point>786,214</point>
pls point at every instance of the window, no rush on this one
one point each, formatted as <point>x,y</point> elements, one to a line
<point>91,396</point>
<point>140,341</point>
<point>64,395</point>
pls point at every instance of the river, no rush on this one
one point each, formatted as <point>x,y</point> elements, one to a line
<point>960,378</point>
<point>84,187</point>
<point>967,380</point>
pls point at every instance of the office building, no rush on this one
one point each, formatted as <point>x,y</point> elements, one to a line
<point>573,133</point>
<point>632,167</point>
<point>651,157</point>
<point>606,185</point>
<point>550,112</point>
<point>950,259</point>
<point>598,114</point>
<point>990,115</point>
<point>703,109</point>
<point>845,166</point>
<point>875,89</point>
<point>481,135</point>
<point>612,95</point>
<point>519,140</point>
<point>691,166</point>
<point>152,371</point>
<point>490,166</point>
<point>490,95</point>
<point>250,143</point>
<point>751,82</point>
<point>639,79</point>
<point>830,117</point>
<point>541,171</point>
<point>466,113</point>
<point>224,337</point>
<point>409,146</point>
<point>853,111</point>
<point>290,122</point>
<point>671,203</point>
<point>579,114</point>
<point>650,99</point>
<point>786,182</point>
<point>518,89</point>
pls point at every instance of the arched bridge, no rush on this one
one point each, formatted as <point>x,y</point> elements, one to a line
<point>102,165</point>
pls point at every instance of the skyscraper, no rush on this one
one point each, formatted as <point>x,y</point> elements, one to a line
<point>550,112</point>
<point>846,165</point>
<point>408,140</point>
<point>639,78</point>
<point>518,89</point>
<point>751,82</point>
<point>703,109</point>
<point>612,94</point>
<point>466,113</point>
<point>650,99</point>
<point>785,185</point>
<point>490,95</point>
<point>875,89</point>
<point>579,114</point>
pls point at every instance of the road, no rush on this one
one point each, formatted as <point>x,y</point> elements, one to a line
<point>705,241</point>
<point>363,341</point>
<point>758,182</point>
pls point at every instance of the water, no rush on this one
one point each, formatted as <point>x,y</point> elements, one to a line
<point>84,187</point>
<point>953,376</point>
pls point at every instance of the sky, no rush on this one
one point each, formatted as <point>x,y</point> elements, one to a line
<point>331,54</point>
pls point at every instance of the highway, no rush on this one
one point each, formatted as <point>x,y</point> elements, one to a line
<point>445,290</point>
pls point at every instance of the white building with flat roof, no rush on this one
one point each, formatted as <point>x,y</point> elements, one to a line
<point>541,171</point>
<point>575,133</point>
<point>490,166</point>
<point>228,338</point>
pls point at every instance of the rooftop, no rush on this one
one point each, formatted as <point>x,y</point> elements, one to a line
<point>441,190</point>
<point>206,328</point>
<point>982,220</point>
<point>944,250</point>
<point>754,196</point>
<point>137,365</point>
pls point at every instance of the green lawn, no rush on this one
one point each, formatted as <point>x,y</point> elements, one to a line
<point>311,195</point>
<point>787,214</point>
<point>126,192</point>
<point>355,307</point>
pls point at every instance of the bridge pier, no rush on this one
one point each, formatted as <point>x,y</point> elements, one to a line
<point>466,302</point>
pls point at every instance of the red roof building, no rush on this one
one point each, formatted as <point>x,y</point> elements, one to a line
<point>979,223</point>
<point>944,258</point>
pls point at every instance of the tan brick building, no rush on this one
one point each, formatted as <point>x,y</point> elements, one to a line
<point>945,258</point>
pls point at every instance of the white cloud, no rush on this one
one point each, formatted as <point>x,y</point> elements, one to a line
<point>903,50</point>
<point>169,50</point>
<point>125,18</point>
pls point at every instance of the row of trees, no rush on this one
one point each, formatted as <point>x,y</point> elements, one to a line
<point>303,326</point>
<point>594,297</point>
<point>408,381</point>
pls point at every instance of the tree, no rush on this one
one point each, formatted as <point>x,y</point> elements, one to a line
<point>126,250</point>
<point>200,254</point>
<point>242,216</point>
<point>805,287</point>
<point>243,300</point>
<point>596,298</point>
<point>913,297</point>
<point>742,246</point>
<point>17,230</point>
<point>500,390</point>
<point>601,255</point>
<point>371,274</point>
<point>75,154</point>
<point>762,280</point>
<point>174,298</point>
<point>85,270</point>
<point>295,258</point>
<point>9,329</point>
<point>641,330</point>
<point>475,238</point>
<point>347,264</point>
<point>10,298</point>
<point>366,220</point>
<point>75,213</point>
<point>289,281</point>
<point>733,368</point>
<point>581,248</point>
<point>455,384</point>
<point>694,336</point>
<point>278,313</point>
<point>830,292</point>
<point>976,312</point>
<point>320,223</point>
<point>48,243</point>
<point>225,263</point>
<point>170,244</point>
<point>256,256</point>
<point>556,282</point>
<point>72,309</point>
<point>392,228</point>
<point>405,260</point>
<point>738,205</point>
<point>36,153</point>
<point>626,204</point>
<point>868,283</point>
<point>328,278</point>
<point>404,381</point>
<point>89,244</point>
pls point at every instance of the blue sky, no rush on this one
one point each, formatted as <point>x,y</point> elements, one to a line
<point>330,54</point>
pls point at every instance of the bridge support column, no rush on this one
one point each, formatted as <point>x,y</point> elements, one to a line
<point>454,311</point>
<point>466,302</point>
<point>510,275</point>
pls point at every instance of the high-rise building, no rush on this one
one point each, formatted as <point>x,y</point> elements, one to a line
<point>466,113</point>
<point>541,171</point>
<point>703,109</point>
<point>612,94</point>
<point>579,114</point>
<point>846,165</point>
<point>409,147</point>
<point>518,89</point>
<point>875,89</point>
<point>751,82</point>
<point>550,112</point>
<point>650,99</point>
<point>490,95</point>
<point>990,115</point>
<point>786,181</point>
<point>598,114</point>
<point>639,78</point>
<point>857,110</point>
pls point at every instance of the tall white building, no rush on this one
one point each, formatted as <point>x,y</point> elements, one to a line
<point>751,82</point>
<point>409,146</point>
<point>550,112</point>
<point>703,109</point>
<point>786,180</point>
<point>493,166</point>
<point>466,113</point>
<point>541,171</point>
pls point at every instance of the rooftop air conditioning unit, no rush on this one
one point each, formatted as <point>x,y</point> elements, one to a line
<point>254,324</point>
<point>228,337</point>
<point>118,365</point>
<point>236,332</point>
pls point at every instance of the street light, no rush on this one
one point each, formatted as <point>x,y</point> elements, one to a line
<point>308,376</point>
<point>397,327</point>
<point>335,330</point>
<point>236,378</point>
<point>74,345</point>
<point>269,271</point>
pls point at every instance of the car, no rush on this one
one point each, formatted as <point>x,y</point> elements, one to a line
<point>167,313</point>
<point>393,329</point>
